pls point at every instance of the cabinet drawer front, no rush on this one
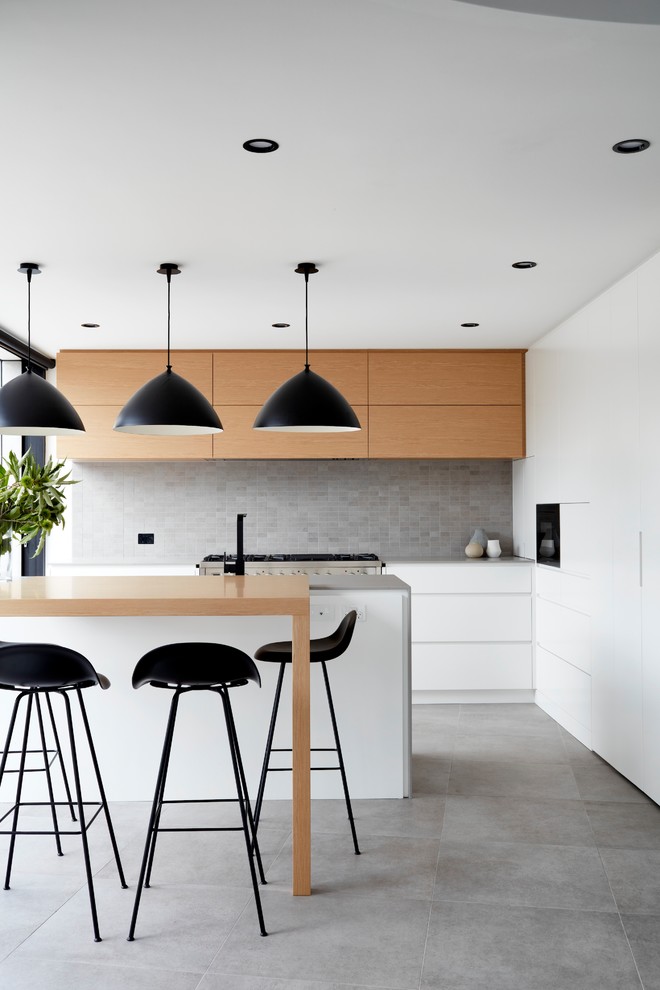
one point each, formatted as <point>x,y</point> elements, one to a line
<point>471,618</point>
<point>100,442</point>
<point>405,432</point>
<point>471,666</point>
<point>571,590</point>
<point>564,632</point>
<point>564,685</point>
<point>446,377</point>
<point>108,378</point>
<point>239,440</point>
<point>477,577</point>
<point>243,378</point>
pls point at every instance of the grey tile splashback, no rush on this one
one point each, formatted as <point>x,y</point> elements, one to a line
<point>417,509</point>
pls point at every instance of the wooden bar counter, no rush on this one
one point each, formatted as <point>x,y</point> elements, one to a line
<point>114,598</point>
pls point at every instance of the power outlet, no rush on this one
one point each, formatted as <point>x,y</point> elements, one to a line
<point>322,612</point>
<point>361,612</point>
<point>145,537</point>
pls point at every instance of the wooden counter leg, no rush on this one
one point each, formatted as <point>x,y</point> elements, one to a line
<point>302,822</point>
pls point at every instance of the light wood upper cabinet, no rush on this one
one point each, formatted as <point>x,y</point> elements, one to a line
<point>246,378</point>
<point>111,377</point>
<point>438,378</point>
<point>240,441</point>
<point>411,404</point>
<point>439,404</point>
<point>101,443</point>
<point>405,432</point>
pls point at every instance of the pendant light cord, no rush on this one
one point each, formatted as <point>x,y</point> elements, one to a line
<point>306,324</point>
<point>169,283</point>
<point>29,358</point>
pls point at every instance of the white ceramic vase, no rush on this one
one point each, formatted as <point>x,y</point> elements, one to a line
<point>493,548</point>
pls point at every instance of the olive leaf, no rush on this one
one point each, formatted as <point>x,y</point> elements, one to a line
<point>32,499</point>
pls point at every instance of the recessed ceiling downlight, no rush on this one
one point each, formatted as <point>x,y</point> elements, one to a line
<point>260,146</point>
<point>631,146</point>
<point>90,326</point>
<point>469,324</point>
<point>524,264</point>
<point>280,326</point>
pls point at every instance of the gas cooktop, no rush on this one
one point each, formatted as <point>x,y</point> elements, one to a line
<point>282,557</point>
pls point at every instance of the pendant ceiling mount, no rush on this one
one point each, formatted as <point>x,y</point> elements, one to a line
<point>168,405</point>
<point>307,403</point>
<point>29,405</point>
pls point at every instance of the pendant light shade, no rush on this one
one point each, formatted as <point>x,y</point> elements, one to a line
<point>31,406</point>
<point>307,403</point>
<point>168,405</point>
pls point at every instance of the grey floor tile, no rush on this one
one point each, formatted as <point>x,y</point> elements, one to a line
<point>576,751</point>
<point>504,747</point>
<point>180,928</point>
<point>229,981</point>
<point>493,947</point>
<point>528,721</point>
<point>332,938</point>
<point>634,875</point>
<point>31,899</point>
<point>625,825</point>
<point>388,866</point>
<point>488,819</point>
<point>29,974</point>
<point>521,874</point>
<point>644,936</point>
<point>597,781</point>
<point>528,780</point>
<point>430,775</point>
<point>418,816</point>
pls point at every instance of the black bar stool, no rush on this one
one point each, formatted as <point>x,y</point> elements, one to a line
<point>320,651</point>
<point>32,670</point>
<point>184,668</point>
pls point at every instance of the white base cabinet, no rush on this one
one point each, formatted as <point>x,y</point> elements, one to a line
<point>471,630</point>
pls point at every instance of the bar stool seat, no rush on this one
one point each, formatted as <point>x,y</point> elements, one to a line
<point>32,670</point>
<point>185,668</point>
<point>320,651</point>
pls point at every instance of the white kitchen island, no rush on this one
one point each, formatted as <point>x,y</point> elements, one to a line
<point>371,689</point>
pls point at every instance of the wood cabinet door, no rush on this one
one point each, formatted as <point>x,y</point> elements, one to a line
<point>248,378</point>
<point>240,441</point>
<point>431,378</point>
<point>107,378</point>
<point>101,443</point>
<point>421,432</point>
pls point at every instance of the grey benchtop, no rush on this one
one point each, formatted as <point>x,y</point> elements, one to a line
<point>467,561</point>
<point>357,582</point>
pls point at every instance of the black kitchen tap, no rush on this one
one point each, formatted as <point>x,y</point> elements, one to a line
<point>240,558</point>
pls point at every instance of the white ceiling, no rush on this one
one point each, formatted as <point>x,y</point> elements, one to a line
<point>425,145</point>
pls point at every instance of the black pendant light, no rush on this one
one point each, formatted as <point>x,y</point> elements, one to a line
<point>307,403</point>
<point>29,405</point>
<point>168,405</point>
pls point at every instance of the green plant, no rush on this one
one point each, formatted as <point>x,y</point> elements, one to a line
<point>32,499</point>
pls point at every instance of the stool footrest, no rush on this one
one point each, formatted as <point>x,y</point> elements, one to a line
<point>46,804</point>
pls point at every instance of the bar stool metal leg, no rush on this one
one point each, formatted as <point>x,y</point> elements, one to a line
<point>340,757</point>
<point>81,818</point>
<point>159,809</point>
<point>10,733</point>
<point>269,746</point>
<point>19,786</point>
<point>56,737</point>
<point>158,797</point>
<point>233,741</point>
<point>233,747</point>
<point>49,782</point>
<point>104,801</point>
